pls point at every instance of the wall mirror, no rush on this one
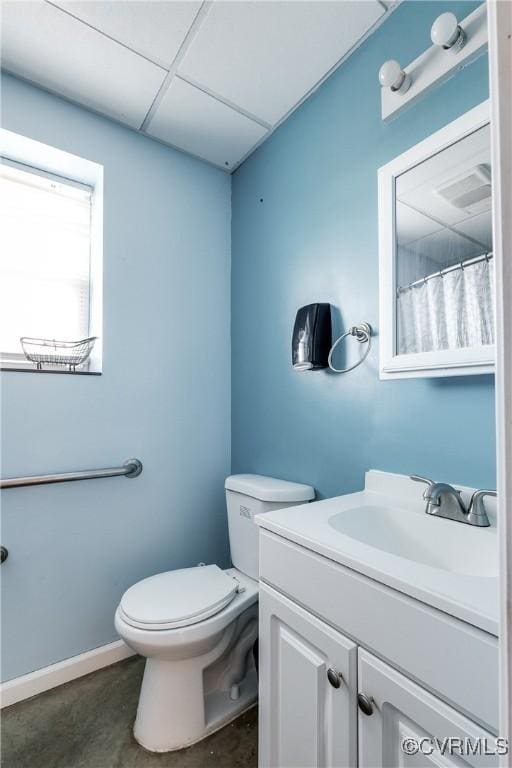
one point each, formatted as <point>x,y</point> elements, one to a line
<point>435,254</point>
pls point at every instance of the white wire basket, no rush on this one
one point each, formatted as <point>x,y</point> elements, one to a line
<point>53,352</point>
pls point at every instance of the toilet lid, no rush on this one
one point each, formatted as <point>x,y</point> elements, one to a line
<point>178,598</point>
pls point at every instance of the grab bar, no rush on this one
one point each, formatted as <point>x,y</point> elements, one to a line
<point>131,468</point>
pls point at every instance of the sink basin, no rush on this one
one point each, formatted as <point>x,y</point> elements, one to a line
<point>421,538</point>
<point>382,532</point>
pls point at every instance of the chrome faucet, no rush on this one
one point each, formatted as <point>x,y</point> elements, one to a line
<point>444,500</point>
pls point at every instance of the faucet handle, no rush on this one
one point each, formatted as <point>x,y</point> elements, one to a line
<point>476,498</point>
<point>477,514</point>
<point>427,482</point>
<point>419,479</point>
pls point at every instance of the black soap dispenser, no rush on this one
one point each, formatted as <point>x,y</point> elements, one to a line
<point>312,337</point>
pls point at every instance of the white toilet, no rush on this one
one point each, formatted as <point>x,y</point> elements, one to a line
<point>198,626</point>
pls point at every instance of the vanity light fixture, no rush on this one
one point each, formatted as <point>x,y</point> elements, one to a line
<point>391,75</point>
<point>447,33</point>
<point>456,43</point>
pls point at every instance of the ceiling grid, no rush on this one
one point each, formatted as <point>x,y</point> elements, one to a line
<point>213,78</point>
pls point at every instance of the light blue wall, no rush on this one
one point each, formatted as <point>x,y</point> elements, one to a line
<point>314,238</point>
<point>164,396</point>
<point>165,391</point>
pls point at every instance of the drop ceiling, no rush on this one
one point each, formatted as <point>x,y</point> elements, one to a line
<point>213,79</point>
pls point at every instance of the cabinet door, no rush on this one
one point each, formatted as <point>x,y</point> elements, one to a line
<point>404,710</point>
<point>305,720</point>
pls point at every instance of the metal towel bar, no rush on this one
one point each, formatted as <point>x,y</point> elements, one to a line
<point>130,468</point>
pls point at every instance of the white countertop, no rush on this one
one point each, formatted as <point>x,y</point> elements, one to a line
<point>469,597</point>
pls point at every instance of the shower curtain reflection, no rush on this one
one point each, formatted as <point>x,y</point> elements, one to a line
<point>450,309</point>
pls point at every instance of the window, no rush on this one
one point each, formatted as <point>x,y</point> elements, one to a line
<point>47,261</point>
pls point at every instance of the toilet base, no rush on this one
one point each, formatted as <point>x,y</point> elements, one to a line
<point>198,677</point>
<point>219,710</point>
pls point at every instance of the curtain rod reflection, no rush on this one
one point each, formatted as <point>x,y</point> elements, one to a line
<point>442,272</point>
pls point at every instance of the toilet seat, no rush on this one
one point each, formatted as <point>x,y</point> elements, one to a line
<point>178,598</point>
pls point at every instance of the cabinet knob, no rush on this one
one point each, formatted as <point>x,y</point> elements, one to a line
<point>365,703</point>
<point>4,554</point>
<point>334,677</point>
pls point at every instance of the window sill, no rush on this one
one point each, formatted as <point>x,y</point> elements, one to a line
<point>21,366</point>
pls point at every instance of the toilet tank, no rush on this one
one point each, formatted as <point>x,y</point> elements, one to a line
<point>250,495</point>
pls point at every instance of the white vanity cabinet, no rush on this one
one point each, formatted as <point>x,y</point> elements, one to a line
<point>308,701</point>
<point>403,714</point>
<point>426,674</point>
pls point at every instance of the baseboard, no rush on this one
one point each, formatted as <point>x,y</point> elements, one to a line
<point>20,688</point>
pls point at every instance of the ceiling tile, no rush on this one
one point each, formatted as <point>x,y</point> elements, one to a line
<point>412,225</point>
<point>445,247</point>
<point>265,56</point>
<point>478,227</point>
<point>193,121</point>
<point>49,47</point>
<point>154,29</point>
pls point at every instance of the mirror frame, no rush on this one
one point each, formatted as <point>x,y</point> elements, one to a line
<point>446,362</point>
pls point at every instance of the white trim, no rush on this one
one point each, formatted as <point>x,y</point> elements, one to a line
<point>436,65</point>
<point>500,70</point>
<point>20,688</point>
<point>460,362</point>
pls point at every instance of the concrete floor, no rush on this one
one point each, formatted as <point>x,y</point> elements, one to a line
<point>88,724</point>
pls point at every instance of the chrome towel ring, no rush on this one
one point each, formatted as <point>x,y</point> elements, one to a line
<point>363,334</point>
